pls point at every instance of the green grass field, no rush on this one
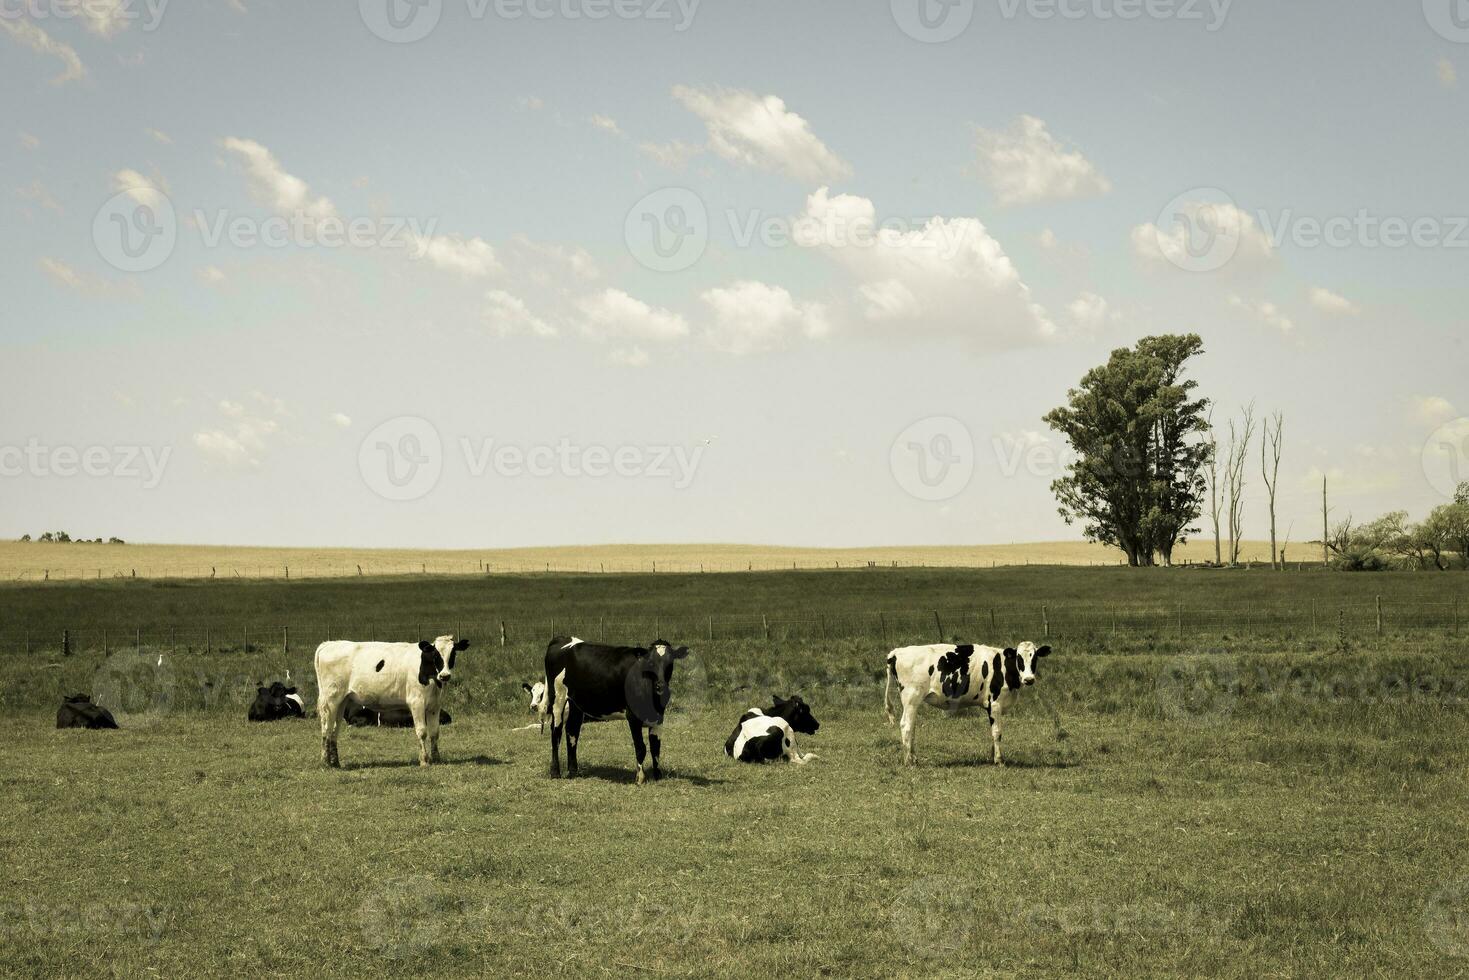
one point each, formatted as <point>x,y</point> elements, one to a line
<point>1222,803</point>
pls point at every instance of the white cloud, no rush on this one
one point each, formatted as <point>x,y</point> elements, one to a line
<point>30,142</point>
<point>674,155</point>
<point>1090,312</point>
<point>138,187</point>
<point>271,186</point>
<point>39,41</point>
<point>472,257</point>
<point>1267,313</point>
<point>634,357</point>
<point>1328,302</point>
<point>105,18</point>
<point>341,421</point>
<point>607,124</point>
<point>1047,239</point>
<point>244,441</point>
<point>159,136</point>
<point>211,275</point>
<point>1026,164</point>
<point>1433,409</point>
<point>1218,219</point>
<point>751,316</point>
<point>68,277</point>
<point>508,315</point>
<point>547,263</point>
<point>759,131</point>
<point>947,278</point>
<point>532,102</point>
<point>38,193</point>
<point>63,274</point>
<point>1448,75</point>
<point>613,313</point>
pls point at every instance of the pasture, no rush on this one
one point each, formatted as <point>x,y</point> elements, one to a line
<point>1226,802</point>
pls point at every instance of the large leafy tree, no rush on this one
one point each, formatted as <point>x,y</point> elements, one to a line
<point>1141,447</point>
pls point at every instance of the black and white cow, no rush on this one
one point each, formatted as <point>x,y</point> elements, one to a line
<point>385,676</point>
<point>765,735</point>
<point>590,681</point>
<point>359,715</point>
<point>78,711</point>
<point>276,702</point>
<point>958,678</point>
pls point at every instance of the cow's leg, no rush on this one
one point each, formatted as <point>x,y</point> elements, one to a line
<point>420,728</point>
<point>432,722</point>
<point>574,719</point>
<point>995,733</point>
<point>911,697</point>
<point>655,743</point>
<point>329,710</point>
<point>636,727</point>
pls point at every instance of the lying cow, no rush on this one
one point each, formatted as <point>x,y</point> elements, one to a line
<point>959,678</point>
<point>537,692</point>
<point>276,702</point>
<point>763,736</point>
<point>589,681</point>
<point>384,676</point>
<point>359,715</point>
<point>78,711</point>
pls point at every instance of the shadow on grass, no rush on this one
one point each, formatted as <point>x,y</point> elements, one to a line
<point>617,774</point>
<point>475,760</point>
<point>1009,764</point>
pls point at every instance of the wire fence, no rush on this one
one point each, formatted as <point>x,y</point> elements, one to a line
<point>995,624</point>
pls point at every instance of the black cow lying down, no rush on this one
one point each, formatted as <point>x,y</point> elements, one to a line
<point>358,715</point>
<point>764,735</point>
<point>276,702</point>
<point>78,711</point>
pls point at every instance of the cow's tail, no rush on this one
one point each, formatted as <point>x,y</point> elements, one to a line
<point>887,689</point>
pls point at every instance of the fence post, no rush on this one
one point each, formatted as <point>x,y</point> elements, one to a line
<point>1180,619</point>
<point>938,623</point>
<point>994,630</point>
<point>247,639</point>
<point>105,652</point>
<point>1313,615</point>
<point>601,630</point>
<point>502,632</point>
<point>1379,615</point>
<point>1045,618</point>
<point>882,624</point>
<point>138,641</point>
<point>173,642</point>
<point>208,647</point>
<point>711,621</point>
<point>285,641</point>
<point>765,621</point>
<point>66,643</point>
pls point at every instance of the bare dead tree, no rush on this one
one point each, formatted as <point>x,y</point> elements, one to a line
<point>1240,435</point>
<point>1325,526</point>
<point>1214,494</point>
<point>1271,439</point>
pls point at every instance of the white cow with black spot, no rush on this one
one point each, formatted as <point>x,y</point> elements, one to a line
<point>958,678</point>
<point>385,675</point>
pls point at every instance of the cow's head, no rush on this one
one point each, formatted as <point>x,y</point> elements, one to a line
<point>796,713</point>
<point>1024,659</point>
<point>437,663</point>
<point>537,692</point>
<point>648,680</point>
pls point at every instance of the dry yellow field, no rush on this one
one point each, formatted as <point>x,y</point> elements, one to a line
<point>32,561</point>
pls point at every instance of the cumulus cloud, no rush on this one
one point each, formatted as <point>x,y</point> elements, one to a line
<point>1026,164</point>
<point>547,263</point>
<point>508,315</point>
<point>1203,225</point>
<point>243,440</point>
<point>63,274</point>
<point>1267,313</point>
<point>606,124</point>
<point>271,186</point>
<point>341,420</point>
<point>751,316</point>
<point>144,190</point>
<point>470,257</point>
<point>211,275</point>
<point>35,38</point>
<point>38,193</point>
<point>1432,409</point>
<point>159,136</point>
<point>759,131</point>
<point>29,141</point>
<point>1328,302</point>
<point>1090,312</point>
<point>674,155</point>
<point>948,277</point>
<point>613,314</point>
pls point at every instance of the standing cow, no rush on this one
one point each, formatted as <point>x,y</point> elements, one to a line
<point>958,678</point>
<point>385,676</point>
<point>589,680</point>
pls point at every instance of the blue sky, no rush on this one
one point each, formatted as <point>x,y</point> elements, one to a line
<point>781,371</point>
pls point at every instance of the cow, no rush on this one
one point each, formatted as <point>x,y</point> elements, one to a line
<point>384,676</point>
<point>765,735</point>
<point>958,678</point>
<point>78,711</point>
<point>359,715</point>
<point>276,702</point>
<point>590,681</point>
<point>537,692</point>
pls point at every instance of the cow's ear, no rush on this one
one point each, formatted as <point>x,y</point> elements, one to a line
<point>425,646</point>
<point>260,690</point>
<point>1009,653</point>
<point>525,687</point>
<point>461,645</point>
<point>290,690</point>
<point>680,653</point>
<point>1043,651</point>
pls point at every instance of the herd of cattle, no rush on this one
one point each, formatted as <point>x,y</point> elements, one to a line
<point>402,684</point>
